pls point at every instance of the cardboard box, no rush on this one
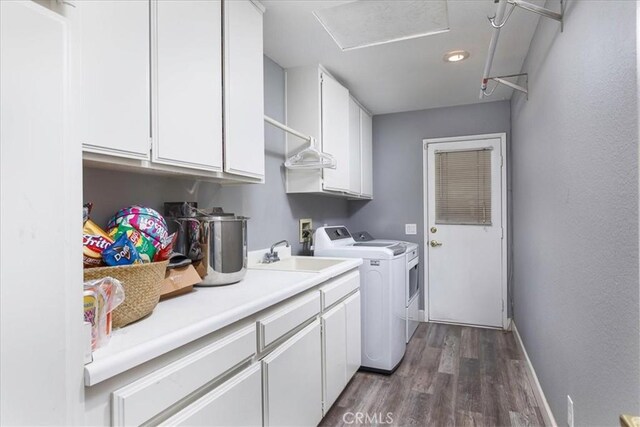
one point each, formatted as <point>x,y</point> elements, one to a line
<point>178,281</point>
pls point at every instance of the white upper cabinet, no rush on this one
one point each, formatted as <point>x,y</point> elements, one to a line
<point>319,106</point>
<point>366,141</point>
<point>174,86</point>
<point>335,132</point>
<point>110,75</point>
<point>355,157</point>
<point>243,89</point>
<point>187,82</point>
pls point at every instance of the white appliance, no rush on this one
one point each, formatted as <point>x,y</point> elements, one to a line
<point>382,289</point>
<point>412,279</point>
<point>412,289</point>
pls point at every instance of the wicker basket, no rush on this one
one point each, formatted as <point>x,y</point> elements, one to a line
<point>142,285</point>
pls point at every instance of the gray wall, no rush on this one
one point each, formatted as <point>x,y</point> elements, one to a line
<point>274,214</point>
<point>575,209</point>
<point>397,162</point>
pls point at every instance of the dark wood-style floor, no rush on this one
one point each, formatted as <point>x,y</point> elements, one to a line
<point>450,376</point>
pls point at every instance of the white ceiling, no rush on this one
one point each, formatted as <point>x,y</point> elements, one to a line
<point>405,75</point>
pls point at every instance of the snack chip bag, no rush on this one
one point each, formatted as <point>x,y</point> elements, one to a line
<point>143,244</point>
<point>94,241</point>
<point>121,252</point>
<point>166,248</point>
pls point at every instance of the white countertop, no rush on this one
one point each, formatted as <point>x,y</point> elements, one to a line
<point>183,319</point>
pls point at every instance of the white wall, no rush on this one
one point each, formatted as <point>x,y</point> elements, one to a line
<point>575,211</point>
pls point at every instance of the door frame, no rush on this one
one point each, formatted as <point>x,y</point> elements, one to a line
<point>505,227</point>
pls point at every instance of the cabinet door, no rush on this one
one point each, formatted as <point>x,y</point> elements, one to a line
<point>334,353</point>
<point>366,135</point>
<point>244,89</point>
<point>110,53</point>
<point>237,402</point>
<point>366,141</point>
<point>354,334</point>
<point>335,133</point>
<point>187,81</point>
<point>355,170</point>
<point>293,381</point>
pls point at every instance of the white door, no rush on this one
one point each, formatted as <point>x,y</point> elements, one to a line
<point>334,352</point>
<point>243,89</point>
<point>335,133</point>
<point>464,230</point>
<point>237,402</point>
<point>292,381</point>
<point>187,80</point>
<point>110,53</point>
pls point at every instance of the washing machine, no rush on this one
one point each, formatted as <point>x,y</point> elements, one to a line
<point>412,279</point>
<point>382,293</point>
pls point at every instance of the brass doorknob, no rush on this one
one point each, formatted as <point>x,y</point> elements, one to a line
<point>435,243</point>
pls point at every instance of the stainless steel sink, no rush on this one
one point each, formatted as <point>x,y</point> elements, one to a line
<point>299,263</point>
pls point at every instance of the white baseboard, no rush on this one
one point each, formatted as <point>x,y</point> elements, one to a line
<point>545,409</point>
<point>422,315</point>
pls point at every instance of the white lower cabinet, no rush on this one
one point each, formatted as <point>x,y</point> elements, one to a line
<point>340,347</point>
<point>354,334</point>
<point>334,352</point>
<point>292,381</point>
<point>283,366</point>
<point>149,396</point>
<point>237,402</point>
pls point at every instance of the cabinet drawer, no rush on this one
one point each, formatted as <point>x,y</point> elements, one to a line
<point>237,402</point>
<point>287,319</point>
<point>333,292</point>
<point>150,395</point>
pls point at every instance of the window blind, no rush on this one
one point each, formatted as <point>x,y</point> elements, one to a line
<point>463,187</point>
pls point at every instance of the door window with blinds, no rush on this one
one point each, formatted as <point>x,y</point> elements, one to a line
<point>463,187</point>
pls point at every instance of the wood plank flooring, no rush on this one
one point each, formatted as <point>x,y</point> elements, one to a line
<point>450,376</point>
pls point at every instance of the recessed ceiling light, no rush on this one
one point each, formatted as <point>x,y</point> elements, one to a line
<point>456,56</point>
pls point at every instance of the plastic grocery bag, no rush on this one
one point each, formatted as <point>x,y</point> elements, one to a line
<point>101,297</point>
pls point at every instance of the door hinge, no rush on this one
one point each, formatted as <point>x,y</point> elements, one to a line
<point>501,161</point>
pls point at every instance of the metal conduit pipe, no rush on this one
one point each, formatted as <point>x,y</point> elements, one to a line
<point>492,47</point>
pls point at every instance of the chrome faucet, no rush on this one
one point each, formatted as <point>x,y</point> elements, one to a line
<point>272,256</point>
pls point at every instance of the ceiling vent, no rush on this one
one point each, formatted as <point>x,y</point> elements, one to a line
<point>365,23</point>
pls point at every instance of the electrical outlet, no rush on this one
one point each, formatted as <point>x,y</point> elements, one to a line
<point>305,228</point>
<point>569,411</point>
<point>410,229</point>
